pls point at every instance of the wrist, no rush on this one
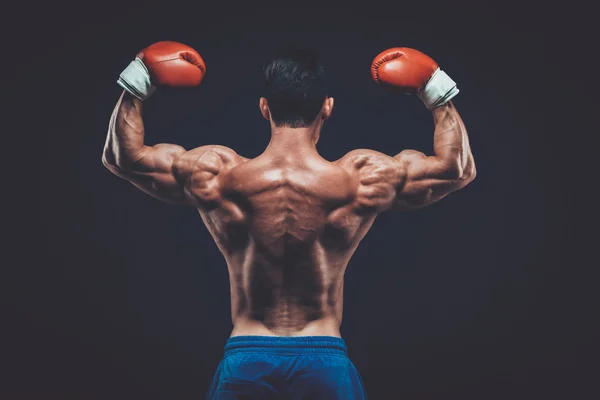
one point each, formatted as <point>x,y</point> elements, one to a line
<point>135,79</point>
<point>438,90</point>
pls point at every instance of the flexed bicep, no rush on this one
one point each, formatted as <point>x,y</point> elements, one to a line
<point>428,179</point>
<point>150,168</point>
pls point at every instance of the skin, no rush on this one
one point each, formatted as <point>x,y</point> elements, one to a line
<point>288,221</point>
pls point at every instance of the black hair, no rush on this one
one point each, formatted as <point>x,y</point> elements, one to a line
<point>295,87</point>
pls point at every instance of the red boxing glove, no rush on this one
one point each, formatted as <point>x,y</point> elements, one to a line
<point>163,63</point>
<point>414,72</point>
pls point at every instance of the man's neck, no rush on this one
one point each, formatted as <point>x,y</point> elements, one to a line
<point>293,140</point>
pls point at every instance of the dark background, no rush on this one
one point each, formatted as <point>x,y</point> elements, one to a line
<point>488,294</point>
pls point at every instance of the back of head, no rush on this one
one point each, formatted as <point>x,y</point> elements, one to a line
<point>295,88</point>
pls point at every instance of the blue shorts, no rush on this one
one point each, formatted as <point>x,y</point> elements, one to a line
<point>277,367</point>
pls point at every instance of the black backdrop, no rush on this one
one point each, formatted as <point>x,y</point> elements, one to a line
<point>485,295</point>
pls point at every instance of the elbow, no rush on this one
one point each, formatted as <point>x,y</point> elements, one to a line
<point>473,174</point>
<point>113,167</point>
<point>461,174</point>
<point>109,161</point>
<point>471,170</point>
<point>106,162</point>
<point>462,170</point>
<point>453,170</point>
<point>468,174</point>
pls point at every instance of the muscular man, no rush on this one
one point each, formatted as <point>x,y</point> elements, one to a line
<point>288,221</point>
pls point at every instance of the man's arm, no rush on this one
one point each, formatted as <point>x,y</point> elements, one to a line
<point>150,168</point>
<point>158,170</point>
<point>427,179</point>
<point>411,179</point>
<point>431,178</point>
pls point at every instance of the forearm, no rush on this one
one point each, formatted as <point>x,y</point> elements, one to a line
<point>451,142</point>
<point>125,139</point>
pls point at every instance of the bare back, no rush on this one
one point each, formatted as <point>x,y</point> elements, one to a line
<point>287,227</point>
<point>288,221</point>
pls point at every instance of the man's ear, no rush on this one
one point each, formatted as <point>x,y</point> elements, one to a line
<point>327,108</point>
<point>264,108</point>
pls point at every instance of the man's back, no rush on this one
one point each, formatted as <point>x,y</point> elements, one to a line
<point>287,227</point>
<point>288,221</point>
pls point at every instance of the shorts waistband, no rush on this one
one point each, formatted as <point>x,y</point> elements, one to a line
<point>294,345</point>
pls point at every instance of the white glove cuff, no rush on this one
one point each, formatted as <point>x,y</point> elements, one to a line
<point>438,90</point>
<point>136,80</point>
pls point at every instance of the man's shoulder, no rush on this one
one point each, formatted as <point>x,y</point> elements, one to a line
<point>211,153</point>
<point>358,158</point>
<point>213,159</point>
<point>225,153</point>
<point>378,177</point>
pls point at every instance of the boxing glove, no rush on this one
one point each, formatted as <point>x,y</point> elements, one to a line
<point>162,63</point>
<point>414,72</point>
